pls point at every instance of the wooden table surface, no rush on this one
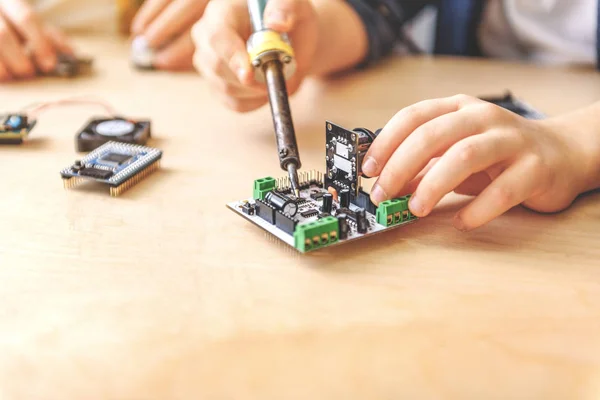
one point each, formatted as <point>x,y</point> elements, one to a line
<point>163,293</point>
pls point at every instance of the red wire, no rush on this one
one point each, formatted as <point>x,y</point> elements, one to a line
<point>72,101</point>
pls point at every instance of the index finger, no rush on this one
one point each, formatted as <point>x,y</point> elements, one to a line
<point>402,125</point>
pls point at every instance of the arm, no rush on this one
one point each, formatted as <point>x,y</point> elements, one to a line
<point>358,32</point>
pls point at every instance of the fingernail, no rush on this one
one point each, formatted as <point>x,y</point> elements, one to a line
<point>136,27</point>
<point>277,17</point>
<point>416,206</point>
<point>370,167</point>
<point>378,194</point>
<point>459,224</point>
<point>241,74</point>
<point>238,64</point>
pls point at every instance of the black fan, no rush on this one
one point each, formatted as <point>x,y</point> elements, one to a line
<point>99,131</point>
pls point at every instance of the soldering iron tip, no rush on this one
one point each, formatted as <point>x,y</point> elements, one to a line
<point>293,173</point>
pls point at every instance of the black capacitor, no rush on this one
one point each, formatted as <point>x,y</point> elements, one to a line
<point>343,226</point>
<point>327,203</point>
<point>77,166</point>
<point>361,221</point>
<point>282,203</point>
<point>344,196</point>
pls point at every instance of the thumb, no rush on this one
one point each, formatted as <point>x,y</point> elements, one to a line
<point>285,15</point>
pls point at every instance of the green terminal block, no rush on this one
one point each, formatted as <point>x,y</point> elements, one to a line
<point>314,235</point>
<point>263,186</point>
<point>395,211</point>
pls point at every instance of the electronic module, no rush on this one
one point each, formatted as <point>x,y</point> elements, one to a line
<point>99,131</point>
<point>511,103</point>
<point>70,66</point>
<point>116,165</point>
<point>332,207</point>
<point>14,128</point>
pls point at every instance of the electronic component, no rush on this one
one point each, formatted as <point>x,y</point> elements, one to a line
<point>102,130</point>
<point>314,224</point>
<point>282,203</point>
<point>327,211</point>
<point>344,198</point>
<point>509,102</point>
<point>309,213</point>
<point>248,208</point>
<point>262,187</point>
<point>265,211</point>
<point>316,195</point>
<point>285,222</point>
<point>343,226</point>
<point>14,128</point>
<point>117,165</point>
<point>362,225</point>
<point>345,151</point>
<point>69,66</point>
<point>327,203</point>
<point>316,234</point>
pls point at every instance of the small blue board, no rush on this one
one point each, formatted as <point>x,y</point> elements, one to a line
<point>118,165</point>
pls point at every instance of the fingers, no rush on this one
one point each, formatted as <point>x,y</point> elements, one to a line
<point>147,13</point>
<point>411,186</point>
<point>5,74</point>
<point>177,56</point>
<point>222,33</point>
<point>519,182</point>
<point>25,22</point>
<point>299,19</point>
<point>221,56</point>
<point>430,139</point>
<point>474,185</point>
<point>177,17</point>
<point>12,52</point>
<point>283,15</point>
<point>467,157</point>
<point>59,40</point>
<point>402,125</point>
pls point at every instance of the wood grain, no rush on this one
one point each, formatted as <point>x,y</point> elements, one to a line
<point>163,293</point>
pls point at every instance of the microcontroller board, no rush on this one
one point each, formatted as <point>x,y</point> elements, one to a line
<point>116,165</point>
<point>14,128</point>
<point>332,208</point>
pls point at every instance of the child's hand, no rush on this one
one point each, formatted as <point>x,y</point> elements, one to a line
<point>166,27</point>
<point>466,145</point>
<point>25,43</point>
<point>221,55</point>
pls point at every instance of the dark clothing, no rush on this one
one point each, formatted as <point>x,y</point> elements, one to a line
<point>456,30</point>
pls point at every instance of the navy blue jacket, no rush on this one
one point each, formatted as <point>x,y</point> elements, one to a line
<point>456,31</point>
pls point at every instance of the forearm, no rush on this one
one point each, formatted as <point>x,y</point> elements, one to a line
<point>343,41</point>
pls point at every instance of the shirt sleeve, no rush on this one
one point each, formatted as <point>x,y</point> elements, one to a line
<point>383,21</point>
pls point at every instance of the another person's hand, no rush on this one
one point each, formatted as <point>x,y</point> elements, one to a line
<point>472,147</point>
<point>26,44</point>
<point>166,27</point>
<point>221,55</point>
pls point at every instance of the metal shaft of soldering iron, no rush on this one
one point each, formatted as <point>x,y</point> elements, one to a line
<point>287,147</point>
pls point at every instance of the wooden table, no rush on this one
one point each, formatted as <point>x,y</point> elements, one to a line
<point>163,293</point>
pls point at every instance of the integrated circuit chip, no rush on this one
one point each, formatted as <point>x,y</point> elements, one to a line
<point>117,165</point>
